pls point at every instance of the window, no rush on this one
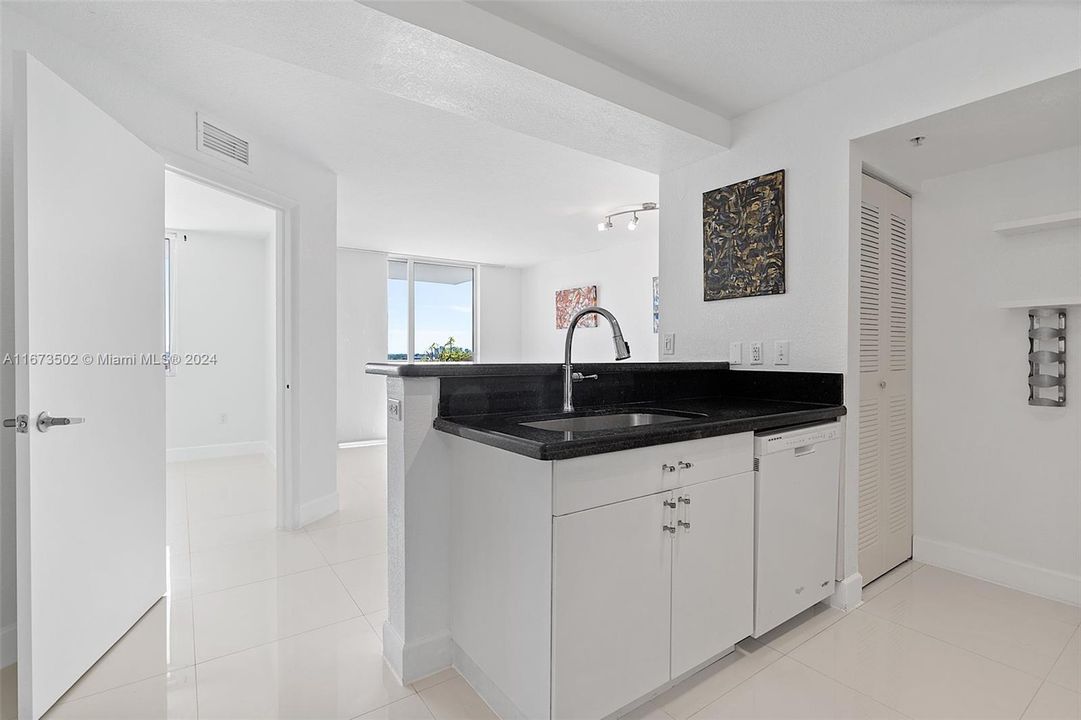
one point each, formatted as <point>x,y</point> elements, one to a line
<point>430,312</point>
<point>168,347</point>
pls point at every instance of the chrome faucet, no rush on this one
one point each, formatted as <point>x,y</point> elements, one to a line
<point>623,351</point>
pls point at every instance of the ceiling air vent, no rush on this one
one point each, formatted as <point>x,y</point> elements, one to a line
<point>222,144</point>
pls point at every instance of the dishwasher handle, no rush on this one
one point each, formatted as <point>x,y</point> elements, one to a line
<point>805,450</point>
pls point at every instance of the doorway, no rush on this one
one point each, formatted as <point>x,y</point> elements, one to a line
<point>221,340</point>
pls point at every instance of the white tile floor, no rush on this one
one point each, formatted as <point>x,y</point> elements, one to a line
<point>266,624</point>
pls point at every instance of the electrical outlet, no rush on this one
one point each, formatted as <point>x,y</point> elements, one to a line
<point>780,352</point>
<point>669,346</point>
<point>394,409</point>
<point>756,353</point>
<point>735,353</point>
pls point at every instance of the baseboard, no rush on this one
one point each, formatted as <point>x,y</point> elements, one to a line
<point>393,650</point>
<point>361,443</point>
<point>9,648</point>
<point>209,452</point>
<point>417,660</point>
<point>847,593</point>
<point>317,509</point>
<point>1050,584</point>
<point>483,686</point>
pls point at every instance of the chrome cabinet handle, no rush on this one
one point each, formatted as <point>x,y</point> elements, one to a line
<point>685,465</point>
<point>685,523</point>
<point>668,529</point>
<point>882,384</point>
<point>45,421</point>
<point>668,468</point>
<point>669,504</point>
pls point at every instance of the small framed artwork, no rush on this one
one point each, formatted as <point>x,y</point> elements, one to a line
<point>743,239</point>
<point>570,301</point>
<point>656,307</point>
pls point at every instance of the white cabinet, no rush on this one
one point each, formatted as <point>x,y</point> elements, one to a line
<point>647,589</point>
<point>575,589</point>
<point>610,606</point>
<point>712,569</point>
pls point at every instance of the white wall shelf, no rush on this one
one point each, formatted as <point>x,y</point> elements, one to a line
<point>1036,224</point>
<point>1041,302</point>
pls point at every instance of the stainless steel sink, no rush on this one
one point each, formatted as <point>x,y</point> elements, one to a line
<point>610,421</point>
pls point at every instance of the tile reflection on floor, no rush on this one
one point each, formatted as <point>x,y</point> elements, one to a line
<point>261,623</point>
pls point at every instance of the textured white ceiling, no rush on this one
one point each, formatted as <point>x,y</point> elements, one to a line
<point>1033,119</point>
<point>414,179</point>
<point>191,205</point>
<point>733,56</point>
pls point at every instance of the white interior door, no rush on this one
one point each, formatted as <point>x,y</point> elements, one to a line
<point>89,214</point>
<point>885,412</point>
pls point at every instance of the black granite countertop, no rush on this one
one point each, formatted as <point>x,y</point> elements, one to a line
<point>712,416</point>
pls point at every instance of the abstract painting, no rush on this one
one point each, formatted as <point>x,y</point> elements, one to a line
<point>743,238</point>
<point>656,307</point>
<point>572,300</point>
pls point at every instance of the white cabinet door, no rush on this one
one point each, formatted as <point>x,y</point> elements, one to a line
<point>712,569</point>
<point>611,605</point>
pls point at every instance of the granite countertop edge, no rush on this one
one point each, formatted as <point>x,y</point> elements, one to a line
<point>694,429</point>
<point>521,369</point>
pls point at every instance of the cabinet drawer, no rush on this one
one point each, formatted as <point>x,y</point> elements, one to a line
<point>713,458</point>
<point>595,480</point>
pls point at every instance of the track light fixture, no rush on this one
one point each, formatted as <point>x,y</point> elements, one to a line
<point>632,210</point>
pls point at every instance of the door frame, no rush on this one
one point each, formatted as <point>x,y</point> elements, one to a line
<point>285,351</point>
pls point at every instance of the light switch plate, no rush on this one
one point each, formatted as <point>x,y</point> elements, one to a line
<point>756,353</point>
<point>669,345</point>
<point>394,409</point>
<point>735,353</point>
<point>780,352</point>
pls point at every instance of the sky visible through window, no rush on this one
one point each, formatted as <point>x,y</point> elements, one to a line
<point>444,309</point>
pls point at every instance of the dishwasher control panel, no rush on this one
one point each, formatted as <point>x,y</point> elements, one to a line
<point>770,442</point>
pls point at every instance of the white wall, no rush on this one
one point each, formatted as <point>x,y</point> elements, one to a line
<point>221,308</point>
<point>499,314</point>
<point>623,274</point>
<point>997,481</point>
<point>809,134</point>
<point>362,338</point>
<point>167,123</point>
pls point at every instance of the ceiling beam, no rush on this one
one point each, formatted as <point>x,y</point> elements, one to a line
<point>478,29</point>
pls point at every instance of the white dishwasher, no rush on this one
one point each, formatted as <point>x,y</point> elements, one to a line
<point>796,483</point>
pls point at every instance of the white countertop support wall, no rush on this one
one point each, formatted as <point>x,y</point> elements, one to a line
<point>416,636</point>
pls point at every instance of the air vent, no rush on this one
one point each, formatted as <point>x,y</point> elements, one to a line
<point>222,144</point>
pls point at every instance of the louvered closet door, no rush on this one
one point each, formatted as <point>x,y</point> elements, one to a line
<point>885,409</point>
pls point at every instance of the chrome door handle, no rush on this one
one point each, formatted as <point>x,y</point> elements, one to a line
<point>46,421</point>
<point>685,465</point>
<point>668,529</point>
<point>882,384</point>
<point>668,468</point>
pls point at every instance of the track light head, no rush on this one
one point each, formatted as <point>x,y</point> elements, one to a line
<point>605,224</point>
<point>633,224</point>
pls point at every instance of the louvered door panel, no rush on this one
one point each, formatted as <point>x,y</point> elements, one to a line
<point>885,452</point>
<point>899,342</point>
<point>870,288</point>
<point>870,467</point>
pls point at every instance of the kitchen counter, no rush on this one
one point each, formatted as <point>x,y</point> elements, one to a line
<point>717,416</point>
